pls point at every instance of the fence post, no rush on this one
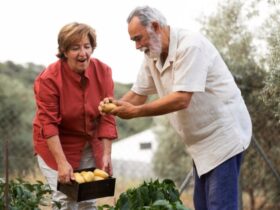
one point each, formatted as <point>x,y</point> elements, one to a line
<point>240,193</point>
<point>266,159</point>
<point>186,181</point>
<point>6,166</point>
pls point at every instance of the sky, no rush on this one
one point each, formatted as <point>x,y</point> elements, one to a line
<point>29,28</point>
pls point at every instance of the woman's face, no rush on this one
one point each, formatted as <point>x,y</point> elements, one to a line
<point>78,55</point>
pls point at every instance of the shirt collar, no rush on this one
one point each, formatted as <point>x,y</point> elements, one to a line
<point>171,50</point>
<point>172,45</point>
<point>74,75</point>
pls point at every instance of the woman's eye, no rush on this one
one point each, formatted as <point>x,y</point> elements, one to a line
<point>74,48</point>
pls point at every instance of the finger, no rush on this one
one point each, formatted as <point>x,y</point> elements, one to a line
<point>72,176</point>
<point>62,180</point>
<point>110,100</point>
<point>67,179</point>
<point>101,103</point>
<point>106,100</point>
<point>115,101</point>
<point>100,108</point>
<point>114,112</point>
<point>108,169</point>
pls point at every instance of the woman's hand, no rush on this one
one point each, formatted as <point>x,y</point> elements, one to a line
<point>106,159</point>
<point>107,164</point>
<point>65,173</point>
<point>64,169</point>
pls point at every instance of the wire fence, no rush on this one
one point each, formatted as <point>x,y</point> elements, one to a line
<point>16,146</point>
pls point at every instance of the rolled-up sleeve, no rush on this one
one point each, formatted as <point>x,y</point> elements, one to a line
<point>47,104</point>
<point>107,128</point>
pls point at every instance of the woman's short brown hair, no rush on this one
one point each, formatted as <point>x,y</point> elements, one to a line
<point>73,33</point>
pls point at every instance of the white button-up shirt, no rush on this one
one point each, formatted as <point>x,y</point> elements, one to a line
<point>216,125</point>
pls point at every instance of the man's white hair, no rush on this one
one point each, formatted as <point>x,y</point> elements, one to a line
<point>147,15</point>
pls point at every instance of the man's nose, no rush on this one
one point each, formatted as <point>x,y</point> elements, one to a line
<point>138,45</point>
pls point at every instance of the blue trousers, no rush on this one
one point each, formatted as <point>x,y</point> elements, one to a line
<point>218,189</point>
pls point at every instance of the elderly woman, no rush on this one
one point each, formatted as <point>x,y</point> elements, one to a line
<point>68,131</point>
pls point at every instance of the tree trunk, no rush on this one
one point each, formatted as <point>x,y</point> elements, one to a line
<point>252,199</point>
<point>240,193</point>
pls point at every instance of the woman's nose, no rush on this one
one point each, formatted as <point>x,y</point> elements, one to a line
<point>82,51</point>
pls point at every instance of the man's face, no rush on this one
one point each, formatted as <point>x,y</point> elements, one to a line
<point>145,38</point>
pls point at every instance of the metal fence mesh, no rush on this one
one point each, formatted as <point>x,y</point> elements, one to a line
<point>16,146</point>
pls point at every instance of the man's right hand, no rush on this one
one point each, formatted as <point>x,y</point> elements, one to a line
<point>106,106</point>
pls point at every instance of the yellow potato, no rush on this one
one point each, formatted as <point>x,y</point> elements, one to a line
<point>79,178</point>
<point>107,108</point>
<point>88,176</point>
<point>91,174</point>
<point>96,178</point>
<point>100,173</point>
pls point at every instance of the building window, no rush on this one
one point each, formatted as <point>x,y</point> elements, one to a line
<point>145,145</point>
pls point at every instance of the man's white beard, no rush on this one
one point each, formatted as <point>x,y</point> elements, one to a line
<point>143,49</point>
<point>155,45</point>
<point>155,48</point>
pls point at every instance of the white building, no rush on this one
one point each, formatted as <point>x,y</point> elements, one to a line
<point>132,156</point>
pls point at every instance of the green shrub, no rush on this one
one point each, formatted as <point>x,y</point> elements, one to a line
<point>24,195</point>
<point>153,195</point>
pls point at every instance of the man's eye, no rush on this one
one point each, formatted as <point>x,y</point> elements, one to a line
<point>137,38</point>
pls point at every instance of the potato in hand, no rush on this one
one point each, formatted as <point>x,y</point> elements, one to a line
<point>108,107</point>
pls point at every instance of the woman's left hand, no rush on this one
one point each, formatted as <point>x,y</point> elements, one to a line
<point>107,164</point>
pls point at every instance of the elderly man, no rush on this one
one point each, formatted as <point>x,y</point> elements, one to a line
<point>201,99</point>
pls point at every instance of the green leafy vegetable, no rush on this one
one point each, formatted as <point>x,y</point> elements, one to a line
<point>153,195</point>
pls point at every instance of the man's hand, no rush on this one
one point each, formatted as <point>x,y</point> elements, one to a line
<point>121,109</point>
<point>125,110</point>
<point>106,106</point>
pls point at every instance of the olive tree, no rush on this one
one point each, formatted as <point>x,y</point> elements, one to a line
<point>272,83</point>
<point>228,30</point>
